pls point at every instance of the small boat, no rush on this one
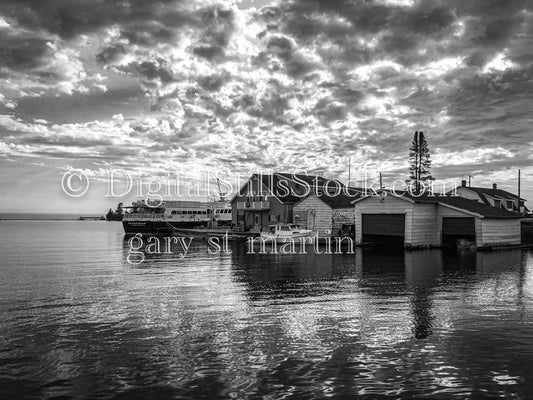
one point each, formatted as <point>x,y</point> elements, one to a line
<point>465,244</point>
<point>284,233</point>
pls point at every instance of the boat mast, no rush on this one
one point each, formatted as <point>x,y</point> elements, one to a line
<point>222,195</point>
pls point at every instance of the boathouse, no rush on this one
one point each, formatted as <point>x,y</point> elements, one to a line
<point>433,221</point>
<point>268,199</point>
<point>329,216</point>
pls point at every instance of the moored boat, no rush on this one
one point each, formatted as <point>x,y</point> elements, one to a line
<point>163,218</point>
<point>283,233</point>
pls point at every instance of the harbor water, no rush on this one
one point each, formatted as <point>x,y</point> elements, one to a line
<point>78,321</point>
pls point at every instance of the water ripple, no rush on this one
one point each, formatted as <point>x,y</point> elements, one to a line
<point>79,322</point>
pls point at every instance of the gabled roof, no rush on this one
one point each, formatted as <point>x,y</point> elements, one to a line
<point>457,202</point>
<point>496,193</point>
<point>493,192</point>
<point>292,188</point>
<point>342,200</point>
<point>472,206</point>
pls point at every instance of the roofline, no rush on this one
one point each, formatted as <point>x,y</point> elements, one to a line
<point>461,210</point>
<point>281,175</point>
<point>409,200</point>
<point>504,217</point>
<point>309,195</point>
<point>481,215</point>
<point>262,184</point>
<point>322,200</point>
<point>359,199</point>
<point>487,194</point>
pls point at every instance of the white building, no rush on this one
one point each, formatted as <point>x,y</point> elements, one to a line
<point>433,221</point>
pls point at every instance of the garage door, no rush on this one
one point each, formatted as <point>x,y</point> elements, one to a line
<point>458,226</point>
<point>384,224</point>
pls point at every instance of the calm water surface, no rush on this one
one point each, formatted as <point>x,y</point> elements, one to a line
<point>79,321</point>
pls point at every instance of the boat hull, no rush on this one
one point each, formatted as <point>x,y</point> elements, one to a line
<point>160,227</point>
<point>297,238</point>
<point>146,227</point>
<point>214,232</point>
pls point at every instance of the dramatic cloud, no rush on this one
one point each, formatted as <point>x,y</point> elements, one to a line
<point>288,85</point>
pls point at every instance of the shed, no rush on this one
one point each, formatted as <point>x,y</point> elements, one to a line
<point>328,215</point>
<point>433,221</point>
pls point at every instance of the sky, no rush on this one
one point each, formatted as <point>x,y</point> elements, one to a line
<point>193,90</point>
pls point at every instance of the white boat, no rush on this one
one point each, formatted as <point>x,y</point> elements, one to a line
<point>165,217</point>
<point>284,233</point>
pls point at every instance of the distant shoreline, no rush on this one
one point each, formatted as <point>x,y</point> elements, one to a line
<point>43,217</point>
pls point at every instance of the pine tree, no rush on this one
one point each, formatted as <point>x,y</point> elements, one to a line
<point>419,161</point>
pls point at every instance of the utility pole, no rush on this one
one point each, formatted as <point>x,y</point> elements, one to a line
<point>519,202</point>
<point>469,177</point>
<point>349,169</point>
<point>417,172</point>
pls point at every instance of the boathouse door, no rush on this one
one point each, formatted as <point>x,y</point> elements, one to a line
<point>456,228</point>
<point>386,229</point>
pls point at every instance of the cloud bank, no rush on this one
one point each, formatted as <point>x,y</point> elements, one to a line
<point>293,85</point>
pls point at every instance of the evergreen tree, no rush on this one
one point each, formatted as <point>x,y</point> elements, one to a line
<point>419,161</point>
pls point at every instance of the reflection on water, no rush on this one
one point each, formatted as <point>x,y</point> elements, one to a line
<point>79,321</point>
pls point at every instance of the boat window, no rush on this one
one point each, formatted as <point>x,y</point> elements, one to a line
<point>284,228</point>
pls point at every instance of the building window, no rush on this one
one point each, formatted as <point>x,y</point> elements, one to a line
<point>510,204</point>
<point>497,203</point>
<point>257,219</point>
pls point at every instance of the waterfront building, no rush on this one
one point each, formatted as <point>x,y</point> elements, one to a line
<point>269,199</point>
<point>329,216</point>
<point>433,221</point>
